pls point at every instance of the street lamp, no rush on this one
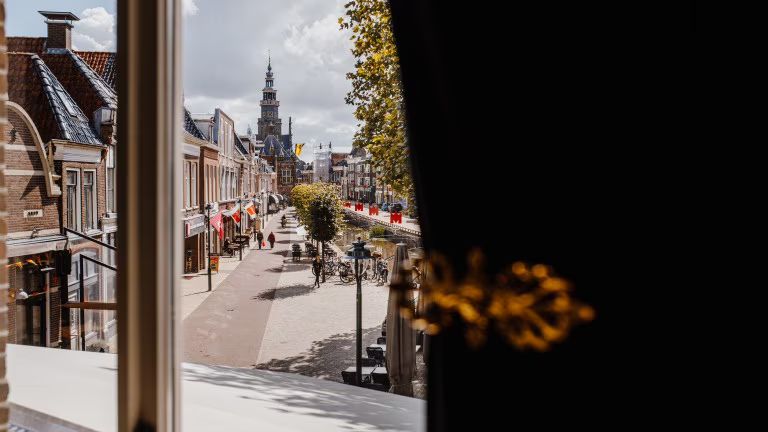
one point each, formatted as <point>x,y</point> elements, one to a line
<point>240,202</point>
<point>359,252</point>
<point>208,208</point>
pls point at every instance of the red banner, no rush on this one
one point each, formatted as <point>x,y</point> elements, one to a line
<point>236,217</point>
<point>217,225</point>
<point>251,210</point>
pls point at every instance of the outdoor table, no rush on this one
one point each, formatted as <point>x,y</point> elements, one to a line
<point>380,376</point>
<point>382,346</point>
<point>367,370</point>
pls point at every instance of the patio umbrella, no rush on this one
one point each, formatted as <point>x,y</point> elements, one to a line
<point>401,340</point>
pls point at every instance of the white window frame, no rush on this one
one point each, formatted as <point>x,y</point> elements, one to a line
<point>193,184</point>
<point>94,197</point>
<point>78,197</point>
<point>185,185</point>
<point>110,165</point>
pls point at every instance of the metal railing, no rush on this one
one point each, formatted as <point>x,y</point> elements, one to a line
<point>82,304</point>
<point>81,235</point>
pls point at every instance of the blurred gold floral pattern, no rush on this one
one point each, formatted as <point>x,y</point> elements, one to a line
<point>529,305</point>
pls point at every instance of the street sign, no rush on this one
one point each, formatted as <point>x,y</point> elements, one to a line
<point>215,263</point>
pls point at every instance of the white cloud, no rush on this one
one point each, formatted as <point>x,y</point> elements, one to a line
<point>95,31</point>
<point>188,7</point>
<point>319,43</point>
<point>225,58</point>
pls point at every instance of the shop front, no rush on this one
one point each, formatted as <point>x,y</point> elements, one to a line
<point>194,243</point>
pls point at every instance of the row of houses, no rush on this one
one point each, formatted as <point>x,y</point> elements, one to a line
<point>355,174</point>
<point>61,178</point>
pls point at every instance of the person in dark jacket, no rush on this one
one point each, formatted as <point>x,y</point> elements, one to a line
<point>271,240</point>
<point>259,238</point>
<point>317,266</point>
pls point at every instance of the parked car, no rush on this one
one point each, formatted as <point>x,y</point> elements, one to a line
<point>384,206</point>
<point>396,207</point>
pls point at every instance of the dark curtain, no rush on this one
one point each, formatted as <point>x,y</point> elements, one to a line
<point>532,136</point>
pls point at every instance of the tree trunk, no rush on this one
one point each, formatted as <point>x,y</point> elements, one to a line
<point>322,259</point>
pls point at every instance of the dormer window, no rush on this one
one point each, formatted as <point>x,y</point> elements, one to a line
<point>71,108</point>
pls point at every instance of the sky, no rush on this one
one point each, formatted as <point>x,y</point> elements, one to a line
<point>226,44</point>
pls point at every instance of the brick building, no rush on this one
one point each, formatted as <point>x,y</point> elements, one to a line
<point>60,177</point>
<point>277,148</point>
<point>199,156</point>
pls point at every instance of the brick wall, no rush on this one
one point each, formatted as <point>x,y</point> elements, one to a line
<point>3,227</point>
<point>101,192</point>
<point>26,192</point>
<point>59,36</point>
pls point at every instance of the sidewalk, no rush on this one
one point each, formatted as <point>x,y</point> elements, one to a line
<point>311,331</point>
<point>226,325</point>
<point>194,287</point>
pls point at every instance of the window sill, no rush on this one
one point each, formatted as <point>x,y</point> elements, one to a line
<point>214,397</point>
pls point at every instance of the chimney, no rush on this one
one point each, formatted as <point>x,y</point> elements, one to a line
<point>59,29</point>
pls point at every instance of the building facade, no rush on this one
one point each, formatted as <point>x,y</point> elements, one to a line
<point>360,184</point>
<point>276,148</point>
<point>60,175</point>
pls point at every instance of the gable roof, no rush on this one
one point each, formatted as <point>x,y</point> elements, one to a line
<point>73,124</point>
<point>191,127</point>
<point>273,147</point>
<point>88,90</point>
<point>35,45</point>
<point>239,146</point>
<point>104,63</point>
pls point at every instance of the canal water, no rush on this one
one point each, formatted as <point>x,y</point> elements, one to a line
<point>383,243</point>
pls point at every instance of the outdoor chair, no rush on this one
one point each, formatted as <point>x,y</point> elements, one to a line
<point>349,377</point>
<point>381,340</point>
<point>376,353</point>
<point>380,376</point>
<point>228,247</point>
<point>243,240</point>
<point>369,362</point>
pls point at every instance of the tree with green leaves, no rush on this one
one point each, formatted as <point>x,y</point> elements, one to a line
<point>377,92</point>
<point>321,210</point>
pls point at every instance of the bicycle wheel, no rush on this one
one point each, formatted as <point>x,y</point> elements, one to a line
<point>345,277</point>
<point>329,268</point>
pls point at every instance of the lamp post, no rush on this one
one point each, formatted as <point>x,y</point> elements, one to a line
<point>208,208</point>
<point>359,252</point>
<point>240,210</point>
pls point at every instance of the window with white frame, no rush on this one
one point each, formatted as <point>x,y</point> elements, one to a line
<point>193,184</point>
<point>222,185</point>
<point>73,199</point>
<point>111,180</point>
<point>185,188</point>
<point>233,186</point>
<point>89,194</point>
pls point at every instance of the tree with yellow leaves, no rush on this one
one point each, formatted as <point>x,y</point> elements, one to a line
<point>377,92</point>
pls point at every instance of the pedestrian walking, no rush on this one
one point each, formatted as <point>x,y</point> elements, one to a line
<point>259,238</point>
<point>271,240</point>
<point>317,266</point>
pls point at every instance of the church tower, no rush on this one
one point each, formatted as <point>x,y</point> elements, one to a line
<point>269,122</point>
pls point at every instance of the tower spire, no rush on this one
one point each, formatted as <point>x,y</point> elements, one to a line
<point>269,64</point>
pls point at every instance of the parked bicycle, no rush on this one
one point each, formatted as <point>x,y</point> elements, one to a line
<point>346,273</point>
<point>382,271</point>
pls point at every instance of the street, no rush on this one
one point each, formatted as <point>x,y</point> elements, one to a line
<point>264,313</point>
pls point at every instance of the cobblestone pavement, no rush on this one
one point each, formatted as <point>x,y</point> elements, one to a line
<point>227,327</point>
<point>311,331</point>
<point>266,314</point>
